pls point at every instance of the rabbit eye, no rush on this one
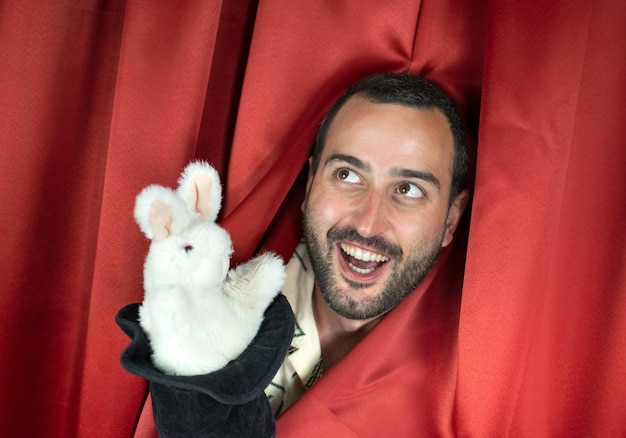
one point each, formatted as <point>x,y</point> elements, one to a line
<point>188,248</point>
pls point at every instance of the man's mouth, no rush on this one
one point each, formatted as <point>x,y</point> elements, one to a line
<point>360,260</point>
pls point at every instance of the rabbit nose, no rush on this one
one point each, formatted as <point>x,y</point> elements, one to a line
<point>188,248</point>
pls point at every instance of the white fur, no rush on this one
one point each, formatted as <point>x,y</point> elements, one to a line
<point>197,313</point>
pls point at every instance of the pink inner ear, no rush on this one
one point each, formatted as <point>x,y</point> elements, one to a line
<point>160,219</point>
<point>202,195</point>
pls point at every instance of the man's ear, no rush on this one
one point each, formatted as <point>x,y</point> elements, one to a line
<point>454,216</point>
<point>309,181</point>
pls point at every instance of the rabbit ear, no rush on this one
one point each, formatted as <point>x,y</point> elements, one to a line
<point>159,212</point>
<point>199,186</point>
<point>160,220</point>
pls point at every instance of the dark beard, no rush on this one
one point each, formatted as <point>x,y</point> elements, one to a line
<point>405,277</point>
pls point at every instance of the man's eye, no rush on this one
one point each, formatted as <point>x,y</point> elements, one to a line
<point>410,190</point>
<point>347,175</point>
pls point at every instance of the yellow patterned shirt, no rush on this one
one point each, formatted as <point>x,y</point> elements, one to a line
<point>302,365</point>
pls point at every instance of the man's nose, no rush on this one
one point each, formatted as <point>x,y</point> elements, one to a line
<point>370,217</point>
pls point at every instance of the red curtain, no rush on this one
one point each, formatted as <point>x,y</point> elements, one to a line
<point>519,331</point>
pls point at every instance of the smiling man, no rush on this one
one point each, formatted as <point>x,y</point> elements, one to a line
<point>384,195</point>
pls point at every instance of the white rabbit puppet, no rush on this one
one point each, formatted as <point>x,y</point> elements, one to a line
<point>198,315</point>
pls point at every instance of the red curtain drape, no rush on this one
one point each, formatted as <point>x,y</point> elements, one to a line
<point>519,331</point>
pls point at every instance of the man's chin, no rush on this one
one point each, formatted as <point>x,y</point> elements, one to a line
<point>357,313</point>
<point>356,302</point>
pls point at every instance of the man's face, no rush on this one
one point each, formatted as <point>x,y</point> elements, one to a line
<point>376,212</point>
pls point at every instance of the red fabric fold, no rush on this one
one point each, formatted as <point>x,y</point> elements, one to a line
<point>548,244</point>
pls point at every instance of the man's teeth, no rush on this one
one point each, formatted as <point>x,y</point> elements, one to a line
<point>359,270</point>
<point>366,256</point>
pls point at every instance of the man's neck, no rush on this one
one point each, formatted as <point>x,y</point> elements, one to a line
<point>338,335</point>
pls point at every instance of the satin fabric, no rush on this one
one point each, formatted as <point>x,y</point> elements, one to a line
<point>519,331</point>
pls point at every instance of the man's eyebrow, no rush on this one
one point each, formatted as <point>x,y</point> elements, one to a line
<point>417,174</point>
<point>350,159</point>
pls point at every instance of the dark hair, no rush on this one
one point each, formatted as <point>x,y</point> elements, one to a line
<point>411,91</point>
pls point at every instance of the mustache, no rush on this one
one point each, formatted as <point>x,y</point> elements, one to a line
<point>376,243</point>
